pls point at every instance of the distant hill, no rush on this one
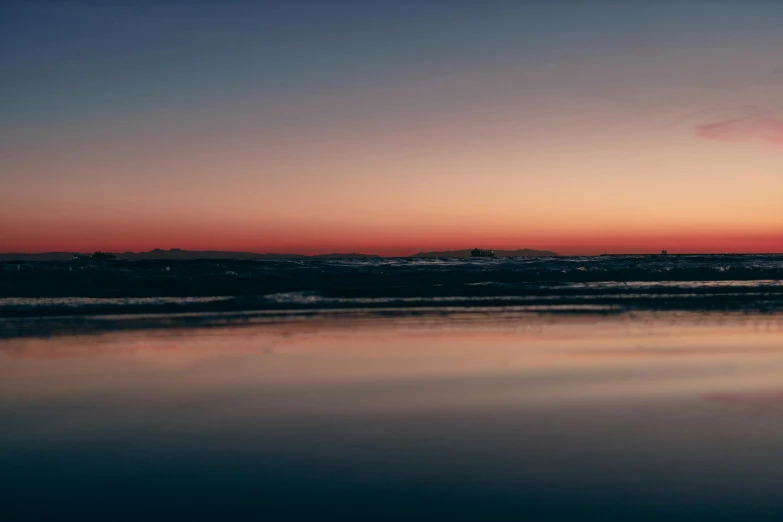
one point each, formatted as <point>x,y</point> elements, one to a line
<point>352,255</point>
<point>178,254</point>
<point>47,256</point>
<point>525,252</point>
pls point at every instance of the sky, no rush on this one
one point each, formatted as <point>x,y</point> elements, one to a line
<point>391,127</point>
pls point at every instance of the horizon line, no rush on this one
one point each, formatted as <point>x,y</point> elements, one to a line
<point>357,253</point>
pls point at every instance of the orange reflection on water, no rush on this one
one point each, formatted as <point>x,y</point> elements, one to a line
<point>535,358</point>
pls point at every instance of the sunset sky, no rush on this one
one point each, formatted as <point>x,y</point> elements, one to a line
<point>391,127</point>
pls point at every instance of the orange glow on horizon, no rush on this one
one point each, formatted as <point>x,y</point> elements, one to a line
<point>393,243</point>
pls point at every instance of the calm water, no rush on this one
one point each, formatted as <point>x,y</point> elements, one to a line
<point>482,416</point>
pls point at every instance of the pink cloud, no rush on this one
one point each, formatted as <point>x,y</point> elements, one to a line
<point>765,130</point>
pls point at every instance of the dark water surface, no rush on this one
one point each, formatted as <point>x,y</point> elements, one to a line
<point>612,283</point>
<point>471,416</point>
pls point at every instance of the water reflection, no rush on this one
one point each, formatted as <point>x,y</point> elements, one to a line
<point>473,418</point>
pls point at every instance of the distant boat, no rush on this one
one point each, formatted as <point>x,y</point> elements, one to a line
<point>664,252</point>
<point>102,256</point>
<point>478,252</point>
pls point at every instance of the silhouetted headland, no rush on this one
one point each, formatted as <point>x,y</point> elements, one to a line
<point>176,254</point>
<point>524,252</point>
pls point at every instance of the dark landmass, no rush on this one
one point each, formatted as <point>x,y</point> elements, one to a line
<point>525,252</point>
<point>352,255</point>
<point>176,254</point>
<point>46,256</point>
<point>179,254</point>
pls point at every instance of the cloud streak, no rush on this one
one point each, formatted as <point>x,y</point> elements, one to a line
<point>764,130</point>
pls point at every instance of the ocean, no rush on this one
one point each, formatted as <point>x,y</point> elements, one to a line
<point>566,284</point>
<point>608,388</point>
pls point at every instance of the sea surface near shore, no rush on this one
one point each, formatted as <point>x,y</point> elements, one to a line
<point>482,414</point>
<point>235,288</point>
